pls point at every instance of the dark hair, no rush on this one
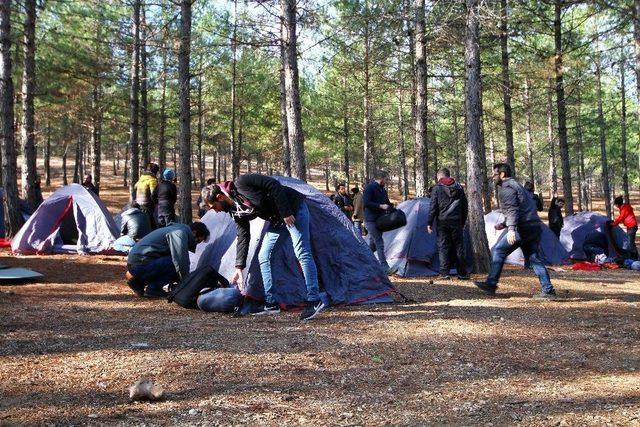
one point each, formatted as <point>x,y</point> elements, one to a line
<point>528,186</point>
<point>212,192</point>
<point>618,201</point>
<point>555,201</point>
<point>211,181</point>
<point>444,171</point>
<point>200,229</point>
<point>503,168</point>
<point>340,184</point>
<point>154,168</point>
<point>355,190</point>
<point>380,174</point>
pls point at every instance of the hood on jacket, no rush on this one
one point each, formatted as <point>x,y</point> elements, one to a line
<point>146,178</point>
<point>451,187</point>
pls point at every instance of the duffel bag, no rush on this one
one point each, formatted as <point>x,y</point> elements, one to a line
<point>186,293</point>
<point>391,220</point>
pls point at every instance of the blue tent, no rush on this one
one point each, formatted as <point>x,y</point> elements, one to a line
<point>347,270</point>
<point>550,249</point>
<point>575,230</point>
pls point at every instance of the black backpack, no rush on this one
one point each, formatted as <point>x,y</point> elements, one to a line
<point>186,293</point>
<point>390,220</point>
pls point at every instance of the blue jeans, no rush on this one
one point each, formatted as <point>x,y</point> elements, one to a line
<point>377,243</point>
<point>157,273</point>
<point>301,239</point>
<point>529,241</point>
<point>358,227</point>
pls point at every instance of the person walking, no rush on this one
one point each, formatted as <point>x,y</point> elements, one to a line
<point>556,221</point>
<point>524,230</point>
<point>628,218</point>
<point>376,203</point>
<point>358,209</point>
<point>449,209</point>
<point>165,196</point>
<point>343,200</point>
<point>144,189</point>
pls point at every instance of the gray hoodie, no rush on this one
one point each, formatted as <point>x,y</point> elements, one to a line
<point>175,240</point>
<point>517,204</point>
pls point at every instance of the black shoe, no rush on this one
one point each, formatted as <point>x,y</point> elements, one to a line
<point>444,277</point>
<point>268,309</point>
<point>155,293</point>
<point>463,277</point>
<point>312,309</point>
<point>487,289</point>
<point>136,286</point>
<point>546,296</point>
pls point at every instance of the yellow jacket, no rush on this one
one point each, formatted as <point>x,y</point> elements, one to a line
<point>144,189</point>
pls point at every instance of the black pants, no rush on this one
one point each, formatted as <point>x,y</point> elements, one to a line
<point>556,228</point>
<point>631,234</point>
<point>450,246</point>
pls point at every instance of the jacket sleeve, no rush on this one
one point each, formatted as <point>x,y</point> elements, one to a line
<point>269,186</point>
<point>154,195</point>
<point>242,245</point>
<point>620,218</point>
<point>433,208</point>
<point>339,201</point>
<point>367,198</point>
<point>510,206</point>
<point>464,207</point>
<point>178,241</point>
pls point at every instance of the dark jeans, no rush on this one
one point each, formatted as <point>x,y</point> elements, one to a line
<point>155,274</point>
<point>631,234</point>
<point>529,241</point>
<point>376,243</point>
<point>450,243</point>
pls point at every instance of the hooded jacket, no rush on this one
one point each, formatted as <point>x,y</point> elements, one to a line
<point>448,203</point>
<point>135,224</point>
<point>517,204</point>
<point>166,195</point>
<point>145,187</point>
<point>626,217</point>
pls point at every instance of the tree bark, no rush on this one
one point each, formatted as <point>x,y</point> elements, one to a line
<point>404,173</point>
<point>47,156</point>
<point>636,38</point>
<point>506,85</point>
<point>286,149</point>
<point>473,130</point>
<point>528,132</point>
<point>454,122</point>
<point>144,86</point>
<point>78,162</point>
<point>96,135</point>
<point>162,138</point>
<point>563,142</point>
<point>65,179</point>
<point>420,125</point>
<point>623,128</point>
<point>235,152</point>
<point>292,88</point>
<point>29,169</point>
<point>134,102</point>
<point>582,187</point>
<point>200,132</point>
<point>125,174</point>
<point>184,78</point>
<point>13,217</point>
<point>345,132</point>
<point>602,136</point>
<point>553,175</point>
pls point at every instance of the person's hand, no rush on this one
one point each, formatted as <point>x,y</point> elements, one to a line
<point>499,226</point>
<point>237,278</point>
<point>290,220</point>
<point>384,207</point>
<point>512,237</point>
<point>429,229</point>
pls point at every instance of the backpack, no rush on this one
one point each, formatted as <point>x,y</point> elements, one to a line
<point>186,293</point>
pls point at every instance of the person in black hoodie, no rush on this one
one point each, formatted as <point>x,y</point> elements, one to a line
<point>165,196</point>
<point>343,200</point>
<point>449,208</point>
<point>556,221</point>
<point>531,189</point>
<point>253,196</point>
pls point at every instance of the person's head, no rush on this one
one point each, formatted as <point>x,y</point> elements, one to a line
<point>88,178</point>
<point>560,202</point>
<point>443,173</point>
<point>381,177</point>
<point>168,174</point>
<point>216,199</point>
<point>342,188</point>
<point>211,181</point>
<point>355,190</point>
<point>529,186</point>
<point>501,171</point>
<point>618,201</point>
<point>200,231</point>
<point>153,168</point>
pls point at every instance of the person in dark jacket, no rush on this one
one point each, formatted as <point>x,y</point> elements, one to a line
<point>376,203</point>
<point>556,221</point>
<point>343,200</point>
<point>449,208</point>
<point>165,196</point>
<point>537,200</point>
<point>524,230</point>
<point>135,223</point>
<point>162,257</point>
<point>88,184</point>
<point>596,245</point>
<point>255,195</point>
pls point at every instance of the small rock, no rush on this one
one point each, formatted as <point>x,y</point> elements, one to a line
<point>140,345</point>
<point>193,411</point>
<point>93,415</point>
<point>145,389</point>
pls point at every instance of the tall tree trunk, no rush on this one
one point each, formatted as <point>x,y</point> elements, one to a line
<point>420,66</point>
<point>78,162</point>
<point>582,186</point>
<point>162,138</point>
<point>636,38</point>
<point>134,102</point>
<point>345,131</point>
<point>454,122</point>
<point>200,132</point>
<point>366,123</point>
<point>29,169</point>
<point>553,175</point>
<point>12,215</point>
<point>235,153</point>
<point>144,85</point>
<point>404,173</point>
<point>506,85</point>
<point>623,127</point>
<point>96,134</point>
<point>184,177</point>
<point>286,149</point>
<point>563,142</point>
<point>292,87</point>
<point>602,136</point>
<point>65,179</point>
<point>473,131</point>
<point>125,174</point>
<point>47,156</point>
<point>528,132</point>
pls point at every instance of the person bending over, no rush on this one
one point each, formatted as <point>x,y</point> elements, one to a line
<point>628,218</point>
<point>556,221</point>
<point>253,196</point>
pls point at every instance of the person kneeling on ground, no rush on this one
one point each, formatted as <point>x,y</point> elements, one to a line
<point>596,245</point>
<point>162,257</point>
<point>135,225</point>
<point>255,195</point>
<point>524,231</point>
<point>449,208</point>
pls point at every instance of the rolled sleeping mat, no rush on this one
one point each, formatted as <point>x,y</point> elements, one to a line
<point>222,300</point>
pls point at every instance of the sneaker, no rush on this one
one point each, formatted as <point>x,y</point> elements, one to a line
<point>486,288</point>
<point>463,277</point>
<point>136,286</point>
<point>546,296</point>
<point>155,293</point>
<point>311,310</point>
<point>444,277</point>
<point>268,309</point>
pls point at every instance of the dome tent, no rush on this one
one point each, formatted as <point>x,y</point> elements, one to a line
<point>348,272</point>
<point>550,249</point>
<point>575,230</point>
<point>72,219</point>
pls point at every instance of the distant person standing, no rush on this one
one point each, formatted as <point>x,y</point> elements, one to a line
<point>343,200</point>
<point>556,221</point>
<point>145,187</point>
<point>376,203</point>
<point>524,230</point>
<point>449,208</point>
<point>88,184</point>
<point>165,196</point>
<point>358,209</point>
<point>201,202</point>
<point>538,201</point>
<point>628,218</point>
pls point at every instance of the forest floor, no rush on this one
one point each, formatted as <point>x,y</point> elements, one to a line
<point>72,344</point>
